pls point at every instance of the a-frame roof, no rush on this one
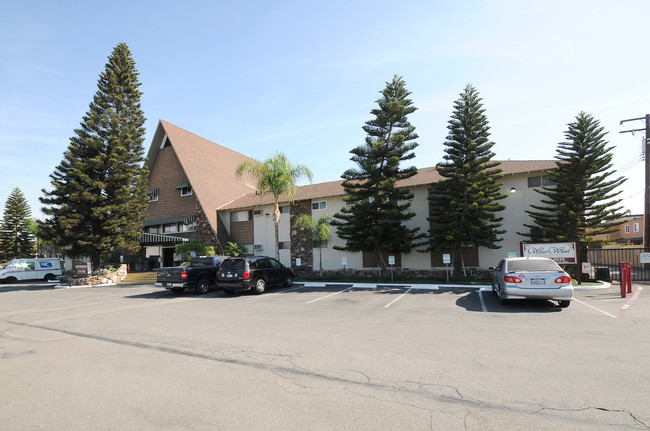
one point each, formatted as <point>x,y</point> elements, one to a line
<point>209,167</point>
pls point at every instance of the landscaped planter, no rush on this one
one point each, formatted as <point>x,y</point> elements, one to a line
<point>93,280</point>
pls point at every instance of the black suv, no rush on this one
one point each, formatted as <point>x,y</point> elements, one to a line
<point>252,273</point>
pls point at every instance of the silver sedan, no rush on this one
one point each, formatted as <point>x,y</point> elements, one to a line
<point>531,278</point>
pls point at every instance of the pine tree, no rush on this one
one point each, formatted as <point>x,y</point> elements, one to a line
<point>15,239</point>
<point>98,197</point>
<point>463,204</point>
<point>375,222</point>
<point>581,204</point>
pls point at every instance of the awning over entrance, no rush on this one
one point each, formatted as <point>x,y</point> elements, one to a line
<point>170,220</point>
<point>154,238</point>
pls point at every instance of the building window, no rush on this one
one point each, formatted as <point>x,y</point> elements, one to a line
<point>540,181</point>
<point>315,206</point>
<point>187,226</point>
<point>186,191</point>
<point>627,228</point>
<point>636,227</point>
<point>152,195</point>
<point>170,228</point>
<point>284,245</point>
<point>285,209</point>
<point>259,247</point>
<point>237,216</point>
<point>153,229</point>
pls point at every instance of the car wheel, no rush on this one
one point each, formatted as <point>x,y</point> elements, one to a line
<point>177,290</point>
<point>10,280</point>
<point>564,304</point>
<point>202,286</point>
<point>260,286</point>
<point>494,288</point>
<point>288,281</point>
<point>49,277</point>
<point>502,300</point>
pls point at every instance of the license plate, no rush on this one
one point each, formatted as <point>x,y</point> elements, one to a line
<point>537,281</point>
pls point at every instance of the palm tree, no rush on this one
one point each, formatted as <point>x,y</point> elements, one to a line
<point>320,230</point>
<point>276,175</point>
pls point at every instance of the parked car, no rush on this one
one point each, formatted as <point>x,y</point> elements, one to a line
<point>199,275</point>
<point>531,278</point>
<point>31,269</point>
<point>254,273</point>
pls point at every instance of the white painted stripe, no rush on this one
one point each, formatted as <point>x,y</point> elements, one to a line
<point>266,295</point>
<point>394,300</point>
<point>591,306</point>
<point>335,293</point>
<point>480,296</point>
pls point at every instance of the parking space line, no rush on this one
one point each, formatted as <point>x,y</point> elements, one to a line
<point>335,293</point>
<point>274,293</point>
<point>394,300</point>
<point>591,306</point>
<point>480,296</point>
<point>627,305</point>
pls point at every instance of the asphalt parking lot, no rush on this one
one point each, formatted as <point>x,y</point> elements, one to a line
<point>322,357</point>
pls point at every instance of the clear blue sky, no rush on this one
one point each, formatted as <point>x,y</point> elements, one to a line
<point>301,77</point>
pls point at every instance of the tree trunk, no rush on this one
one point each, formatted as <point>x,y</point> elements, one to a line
<point>276,223</point>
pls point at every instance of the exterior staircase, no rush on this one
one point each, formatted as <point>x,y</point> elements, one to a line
<point>141,277</point>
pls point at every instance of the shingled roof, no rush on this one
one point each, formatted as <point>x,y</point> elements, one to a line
<point>209,167</point>
<point>424,176</point>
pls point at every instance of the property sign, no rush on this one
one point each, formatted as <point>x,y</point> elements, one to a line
<point>560,252</point>
<point>586,268</point>
<point>446,258</point>
<point>82,268</point>
<point>391,260</point>
<point>644,257</point>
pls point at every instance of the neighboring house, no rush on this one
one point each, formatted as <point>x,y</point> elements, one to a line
<point>189,177</point>
<point>630,232</point>
<point>249,221</point>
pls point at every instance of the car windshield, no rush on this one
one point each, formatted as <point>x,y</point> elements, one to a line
<point>532,265</point>
<point>233,265</point>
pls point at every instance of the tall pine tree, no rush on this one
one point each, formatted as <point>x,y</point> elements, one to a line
<point>464,204</point>
<point>98,198</point>
<point>15,238</point>
<point>375,222</point>
<point>581,204</point>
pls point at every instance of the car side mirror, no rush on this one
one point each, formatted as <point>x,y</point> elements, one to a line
<point>492,268</point>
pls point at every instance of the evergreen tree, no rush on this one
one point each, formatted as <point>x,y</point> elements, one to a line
<point>376,219</point>
<point>15,238</point>
<point>581,204</point>
<point>463,204</point>
<point>98,197</point>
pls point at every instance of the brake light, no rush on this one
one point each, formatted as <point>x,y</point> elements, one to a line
<point>184,275</point>
<point>563,279</point>
<point>247,275</point>
<point>511,279</point>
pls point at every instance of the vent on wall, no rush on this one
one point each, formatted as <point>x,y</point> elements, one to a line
<point>257,212</point>
<point>259,247</point>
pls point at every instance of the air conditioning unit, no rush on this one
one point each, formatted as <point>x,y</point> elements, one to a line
<point>259,247</point>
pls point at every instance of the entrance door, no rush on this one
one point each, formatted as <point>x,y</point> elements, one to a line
<point>168,256</point>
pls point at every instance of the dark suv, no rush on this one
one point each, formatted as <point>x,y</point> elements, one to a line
<point>252,273</point>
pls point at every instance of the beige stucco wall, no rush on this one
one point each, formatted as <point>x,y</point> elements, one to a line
<point>514,217</point>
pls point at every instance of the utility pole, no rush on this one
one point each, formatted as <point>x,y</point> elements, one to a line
<point>646,145</point>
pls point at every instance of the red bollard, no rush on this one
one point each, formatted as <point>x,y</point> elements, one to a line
<point>624,278</point>
<point>629,278</point>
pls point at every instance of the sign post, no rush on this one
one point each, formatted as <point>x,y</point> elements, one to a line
<point>391,262</point>
<point>446,259</point>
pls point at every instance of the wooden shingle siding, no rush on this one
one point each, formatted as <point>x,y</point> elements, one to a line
<point>242,232</point>
<point>165,175</point>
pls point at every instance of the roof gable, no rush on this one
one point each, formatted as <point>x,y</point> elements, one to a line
<point>209,167</point>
